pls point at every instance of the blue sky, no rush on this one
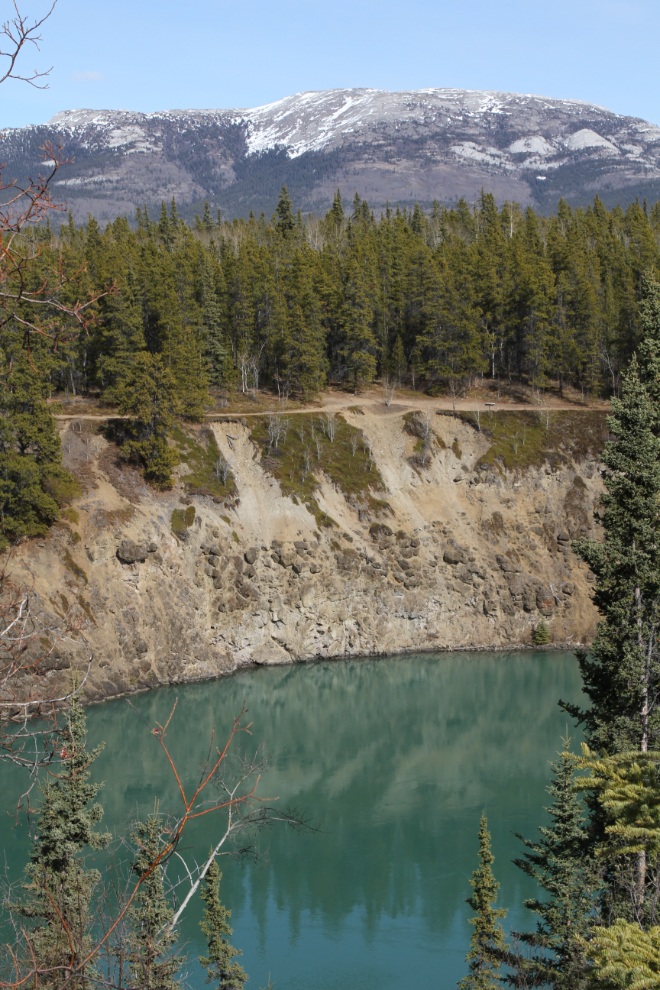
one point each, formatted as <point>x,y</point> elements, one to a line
<point>143,55</point>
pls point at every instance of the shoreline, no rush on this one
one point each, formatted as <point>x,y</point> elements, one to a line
<point>251,666</point>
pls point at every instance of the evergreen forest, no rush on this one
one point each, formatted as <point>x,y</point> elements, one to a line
<point>162,321</point>
<point>288,303</point>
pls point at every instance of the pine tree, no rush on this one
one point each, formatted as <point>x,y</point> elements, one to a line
<point>358,343</point>
<point>207,222</point>
<point>562,865</point>
<point>149,396</point>
<point>623,665</point>
<point>154,966</point>
<point>284,212</point>
<point>33,484</point>
<point>337,212</point>
<point>488,939</point>
<point>58,888</point>
<point>215,351</point>
<point>215,926</point>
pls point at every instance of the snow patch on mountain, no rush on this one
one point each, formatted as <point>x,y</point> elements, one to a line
<point>535,145</point>
<point>587,138</point>
<point>434,143</point>
<point>313,121</point>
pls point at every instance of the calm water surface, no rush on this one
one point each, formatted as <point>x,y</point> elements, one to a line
<point>394,759</point>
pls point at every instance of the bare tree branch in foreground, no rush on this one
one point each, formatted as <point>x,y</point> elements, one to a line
<point>29,707</point>
<point>227,786</point>
<point>15,35</point>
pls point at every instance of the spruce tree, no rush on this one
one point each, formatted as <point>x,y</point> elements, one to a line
<point>417,221</point>
<point>358,344</point>
<point>207,221</point>
<point>623,666</point>
<point>215,351</point>
<point>164,225</point>
<point>649,348</point>
<point>148,396</point>
<point>622,670</point>
<point>33,483</point>
<point>562,865</point>
<point>398,360</point>
<point>625,956</point>
<point>488,942</point>
<point>57,906</point>
<point>153,963</point>
<point>122,333</point>
<point>541,634</point>
<point>285,223</point>
<point>305,364</point>
<point>215,926</point>
<point>336,214</point>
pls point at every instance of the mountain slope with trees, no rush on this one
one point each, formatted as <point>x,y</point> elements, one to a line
<point>424,145</point>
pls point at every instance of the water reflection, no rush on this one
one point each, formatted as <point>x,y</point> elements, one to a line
<point>395,760</point>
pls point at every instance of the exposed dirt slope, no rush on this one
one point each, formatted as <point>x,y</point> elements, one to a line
<point>467,558</point>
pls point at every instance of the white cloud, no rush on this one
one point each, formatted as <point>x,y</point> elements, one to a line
<point>87,77</point>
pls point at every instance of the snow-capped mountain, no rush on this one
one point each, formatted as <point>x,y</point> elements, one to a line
<point>402,147</point>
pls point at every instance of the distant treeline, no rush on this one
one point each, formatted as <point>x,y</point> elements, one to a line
<point>428,298</point>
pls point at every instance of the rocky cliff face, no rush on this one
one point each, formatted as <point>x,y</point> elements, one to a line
<point>423,145</point>
<point>470,558</point>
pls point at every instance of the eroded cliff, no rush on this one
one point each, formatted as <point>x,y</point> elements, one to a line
<point>469,555</point>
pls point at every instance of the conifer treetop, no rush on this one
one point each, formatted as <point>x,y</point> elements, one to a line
<point>488,937</point>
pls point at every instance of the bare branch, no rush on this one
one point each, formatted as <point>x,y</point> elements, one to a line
<point>29,707</point>
<point>18,34</point>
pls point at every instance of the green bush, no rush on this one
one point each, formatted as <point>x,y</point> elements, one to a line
<point>182,520</point>
<point>541,634</point>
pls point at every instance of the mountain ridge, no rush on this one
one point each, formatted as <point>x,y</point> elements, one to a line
<point>405,147</point>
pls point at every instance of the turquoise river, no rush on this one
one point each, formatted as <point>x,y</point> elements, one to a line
<point>394,760</point>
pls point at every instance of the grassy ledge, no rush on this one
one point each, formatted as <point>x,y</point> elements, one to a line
<point>520,440</point>
<point>208,472</point>
<point>297,452</point>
